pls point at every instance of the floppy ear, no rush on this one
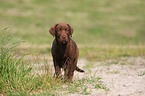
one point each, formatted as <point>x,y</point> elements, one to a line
<point>52,30</point>
<point>71,30</point>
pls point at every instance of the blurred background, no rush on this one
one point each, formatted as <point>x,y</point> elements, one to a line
<point>95,22</point>
<point>110,35</point>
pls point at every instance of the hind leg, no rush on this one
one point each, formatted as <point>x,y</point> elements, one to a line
<point>69,71</point>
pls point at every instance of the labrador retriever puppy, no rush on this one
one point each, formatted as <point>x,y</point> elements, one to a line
<point>64,51</point>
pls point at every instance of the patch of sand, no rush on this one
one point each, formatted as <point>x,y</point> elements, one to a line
<point>123,78</point>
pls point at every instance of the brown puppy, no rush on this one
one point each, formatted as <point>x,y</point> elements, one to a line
<point>64,51</point>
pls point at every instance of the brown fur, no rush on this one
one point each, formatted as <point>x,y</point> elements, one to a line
<point>64,51</point>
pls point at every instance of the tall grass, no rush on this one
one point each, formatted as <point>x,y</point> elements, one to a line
<point>12,69</point>
<point>18,78</point>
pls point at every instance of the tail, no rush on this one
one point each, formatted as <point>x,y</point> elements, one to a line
<point>79,70</point>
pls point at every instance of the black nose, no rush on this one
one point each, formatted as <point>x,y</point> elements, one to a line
<point>63,36</point>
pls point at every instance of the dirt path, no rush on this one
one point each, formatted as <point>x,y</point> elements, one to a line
<point>124,77</point>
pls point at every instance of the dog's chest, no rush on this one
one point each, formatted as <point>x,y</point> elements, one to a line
<point>63,53</point>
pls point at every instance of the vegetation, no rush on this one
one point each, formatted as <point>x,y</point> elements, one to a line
<point>95,22</point>
<point>102,30</point>
<point>18,78</point>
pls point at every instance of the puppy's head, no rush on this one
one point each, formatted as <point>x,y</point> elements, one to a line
<point>62,32</point>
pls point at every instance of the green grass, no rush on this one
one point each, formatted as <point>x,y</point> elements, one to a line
<point>95,22</point>
<point>111,52</point>
<point>21,77</point>
<point>82,86</point>
<point>95,53</point>
<point>102,30</point>
<point>13,71</point>
<point>141,74</point>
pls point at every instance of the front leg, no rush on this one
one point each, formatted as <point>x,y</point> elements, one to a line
<point>57,69</point>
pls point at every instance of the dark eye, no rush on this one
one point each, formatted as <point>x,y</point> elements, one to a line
<point>67,29</point>
<point>58,29</point>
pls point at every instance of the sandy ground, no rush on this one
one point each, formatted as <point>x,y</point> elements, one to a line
<point>124,77</point>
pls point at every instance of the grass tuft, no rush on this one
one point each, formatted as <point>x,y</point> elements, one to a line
<point>19,78</point>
